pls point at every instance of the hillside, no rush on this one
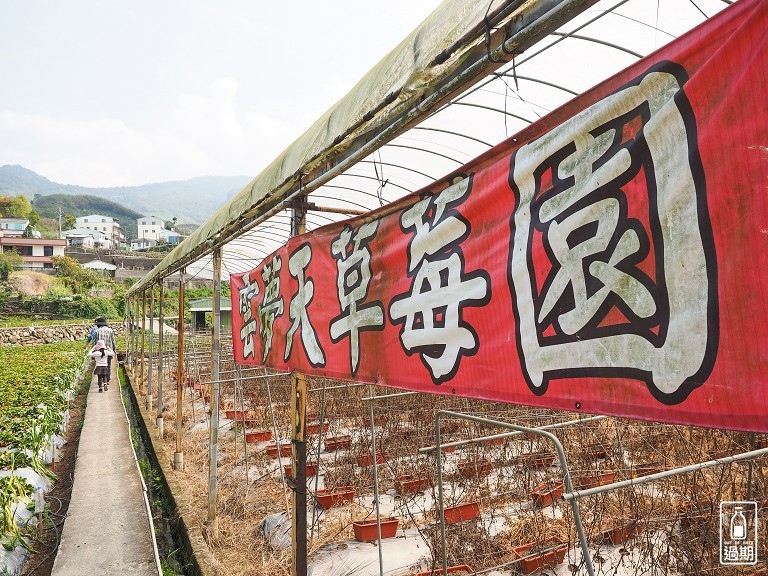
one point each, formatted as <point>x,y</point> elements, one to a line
<point>190,201</point>
<point>48,206</point>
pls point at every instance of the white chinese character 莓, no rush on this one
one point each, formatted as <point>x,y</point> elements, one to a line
<point>271,306</point>
<point>607,282</point>
<point>298,262</point>
<point>247,293</point>
<point>431,312</point>
<point>353,255</point>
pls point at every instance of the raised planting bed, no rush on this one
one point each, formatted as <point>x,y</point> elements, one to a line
<point>331,497</point>
<point>537,460</point>
<point>258,435</point>
<point>475,468</point>
<point>311,470</point>
<point>233,414</point>
<point>648,468</point>
<point>493,441</point>
<point>366,531</point>
<point>595,478</point>
<point>333,443</point>
<point>316,428</point>
<point>462,512</point>
<point>546,494</point>
<point>540,561</point>
<point>367,459</point>
<point>285,450</point>
<point>465,568</point>
<point>597,451</point>
<point>625,529</point>
<point>408,483</point>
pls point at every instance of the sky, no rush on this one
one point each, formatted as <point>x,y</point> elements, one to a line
<point>125,93</point>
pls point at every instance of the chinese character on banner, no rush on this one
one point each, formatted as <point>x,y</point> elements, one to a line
<point>612,263</point>
<point>298,262</point>
<point>271,306</point>
<point>431,313</point>
<point>247,293</point>
<point>353,255</point>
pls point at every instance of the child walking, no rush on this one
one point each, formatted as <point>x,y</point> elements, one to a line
<point>101,354</point>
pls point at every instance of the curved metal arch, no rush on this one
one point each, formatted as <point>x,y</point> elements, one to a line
<point>427,151</point>
<point>491,108</point>
<point>374,162</point>
<point>348,174</point>
<point>467,136</point>
<point>538,81</point>
<point>599,41</point>
<point>371,194</point>
<point>342,200</point>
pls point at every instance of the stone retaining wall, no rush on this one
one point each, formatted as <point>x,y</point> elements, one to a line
<point>31,335</point>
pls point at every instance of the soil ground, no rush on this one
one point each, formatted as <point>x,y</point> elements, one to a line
<point>31,283</point>
<point>41,561</point>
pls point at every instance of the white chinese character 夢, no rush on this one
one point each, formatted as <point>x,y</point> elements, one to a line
<point>271,306</point>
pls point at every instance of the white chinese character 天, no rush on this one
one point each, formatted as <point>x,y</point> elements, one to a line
<point>247,293</point>
<point>352,252</point>
<point>607,283</point>
<point>298,262</point>
<point>431,312</point>
<point>271,306</point>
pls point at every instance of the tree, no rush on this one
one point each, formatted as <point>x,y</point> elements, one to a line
<point>77,278</point>
<point>169,224</point>
<point>19,207</point>
<point>69,222</point>
<point>8,261</point>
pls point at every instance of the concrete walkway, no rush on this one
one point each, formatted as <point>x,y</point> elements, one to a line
<point>107,531</point>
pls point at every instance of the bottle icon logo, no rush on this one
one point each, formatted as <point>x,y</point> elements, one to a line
<point>738,533</point>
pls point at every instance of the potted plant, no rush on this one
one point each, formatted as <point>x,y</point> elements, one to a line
<point>334,443</point>
<point>338,496</point>
<point>595,478</point>
<point>475,468</point>
<point>311,470</point>
<point>316,428</point>
<point>550,556</point>
<point>462,512</point>
<point>285,450</point>
<point>365,460</point>
<point>546,494</point>
<point>366,530</point>
<point>537,460</point>
<point>408,483</point>
<point>648,468</point>
<point>624,528</point>
<point>258,435</point>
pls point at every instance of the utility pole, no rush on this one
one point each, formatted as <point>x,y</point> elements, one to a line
<point>59,221</point>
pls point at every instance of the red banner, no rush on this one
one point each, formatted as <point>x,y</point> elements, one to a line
<point>610,258</point>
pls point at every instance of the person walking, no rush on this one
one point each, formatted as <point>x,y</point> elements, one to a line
<point>102,355</point>
<point>107,335</point>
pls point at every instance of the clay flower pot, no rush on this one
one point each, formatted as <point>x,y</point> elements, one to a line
<point>258,436</point>
<point>462,512</point>
<point>695,515</point>
<point>475,469</point>
<point>407,483</point>
<point>237,415</point>
<point>334,443</point>
<point>330,497</point>
<point>311,470</point>
<point>597,451</point>
<point>537,460</point>
<point>367,459</point>
<point>285,450</point>
<point>316,428</point>
<point>366,531</point>
<point>625,529</point>
<point>544,560</point>
<point>595,479</point>
<point>648,468</point>
<point>546,494</point>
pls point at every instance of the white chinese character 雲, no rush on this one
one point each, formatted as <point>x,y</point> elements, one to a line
<point>247,293</point>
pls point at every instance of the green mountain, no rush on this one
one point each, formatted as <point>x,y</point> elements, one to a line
<point>48,207</point>
<point>190,201</point>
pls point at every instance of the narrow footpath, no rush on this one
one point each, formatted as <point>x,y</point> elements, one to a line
<point>107,530</point>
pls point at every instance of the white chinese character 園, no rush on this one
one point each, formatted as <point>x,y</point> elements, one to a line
<point>352,252</point>
<point>431,313</point>
<point>298,262</point>
<point>616,285</point>
<point>271,306</point>
<point>247,293</point>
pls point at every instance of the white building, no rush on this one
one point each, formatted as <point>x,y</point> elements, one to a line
<point>150,228</point>
<point>85,237</point>
<point>105,224</point>
<point>102,267</point>
<point>13,226</point>
<point>141,243</point>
